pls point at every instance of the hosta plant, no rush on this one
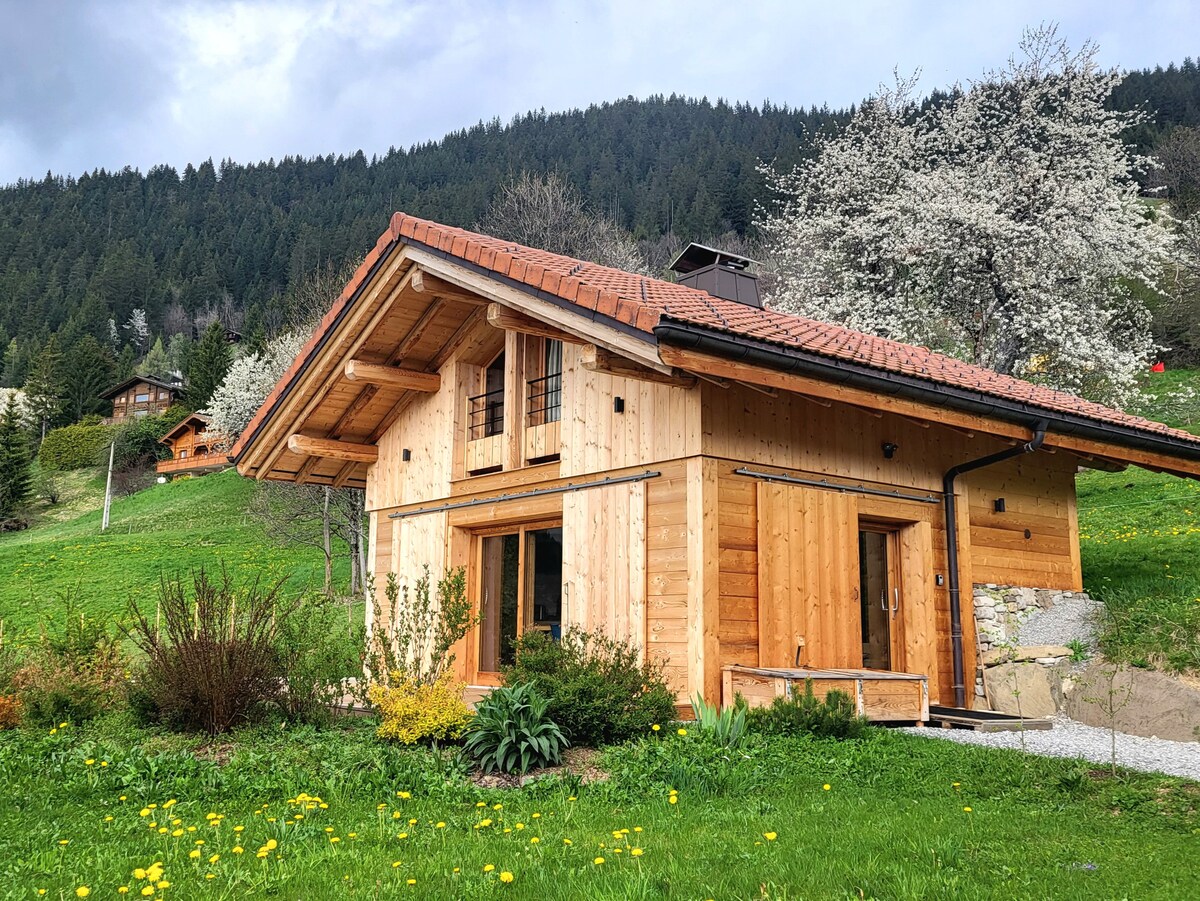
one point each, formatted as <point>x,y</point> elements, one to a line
<point>512,732</point>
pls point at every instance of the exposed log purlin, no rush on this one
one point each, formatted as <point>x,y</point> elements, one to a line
<point>416,332</point>
<point>356,406</point>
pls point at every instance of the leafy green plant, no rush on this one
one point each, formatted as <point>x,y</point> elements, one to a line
<point>600,691</point>
<point>513,733</point>
<point>319,648</point>
<point>1079,650</point>
<point>416,631</point>
<point>725,726</point>
<point>834,717</point>
<point>75,447</point>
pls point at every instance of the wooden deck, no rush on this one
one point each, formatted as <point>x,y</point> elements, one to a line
<point>879,695</point>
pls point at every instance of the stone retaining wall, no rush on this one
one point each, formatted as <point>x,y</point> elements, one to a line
<point>1009,667</point>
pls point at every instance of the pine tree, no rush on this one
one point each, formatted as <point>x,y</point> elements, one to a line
<point>16,477</point>
<point>126,364</point>
<point>90,372</point>
<point>45,386</point>
<point>209,365</point>
<point>156,363</point>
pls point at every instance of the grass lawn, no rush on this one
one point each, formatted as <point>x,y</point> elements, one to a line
<point>891,816</point>
<point>179,526</point>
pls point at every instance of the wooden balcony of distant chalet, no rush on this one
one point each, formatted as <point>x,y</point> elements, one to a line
<point>193,463</point>
<point>129,411</point>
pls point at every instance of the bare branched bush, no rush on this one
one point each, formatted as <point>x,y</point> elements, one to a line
<point>211,663</point>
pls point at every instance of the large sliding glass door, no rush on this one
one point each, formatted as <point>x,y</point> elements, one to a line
<point>520,591</point>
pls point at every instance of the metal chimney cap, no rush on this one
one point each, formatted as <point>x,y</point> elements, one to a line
<point>697,256</point>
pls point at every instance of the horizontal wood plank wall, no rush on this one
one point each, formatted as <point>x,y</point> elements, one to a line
<point>737,539</point>
<point>659,422</point>
<point>667,573</point>
<point>1039,495</point>
<point>604,561</point>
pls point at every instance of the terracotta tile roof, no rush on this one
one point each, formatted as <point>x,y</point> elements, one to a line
<point>640,303</point>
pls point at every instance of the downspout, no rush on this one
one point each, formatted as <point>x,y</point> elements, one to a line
<point>956,642</point>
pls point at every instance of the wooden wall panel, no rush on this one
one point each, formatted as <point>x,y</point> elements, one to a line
<point>1039,496</point>
<point>667,582</point>
<point>604,560</point>
<point>659,422</point>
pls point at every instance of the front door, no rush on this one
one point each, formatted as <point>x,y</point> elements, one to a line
<point>879,599</point>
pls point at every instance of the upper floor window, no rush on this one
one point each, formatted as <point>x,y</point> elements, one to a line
<point>544,400</point>
<point>141,398</point>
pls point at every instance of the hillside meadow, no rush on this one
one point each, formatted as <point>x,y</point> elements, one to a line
<point>173,528</point>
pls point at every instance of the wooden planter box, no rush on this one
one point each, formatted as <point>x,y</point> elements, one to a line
<point>879,695</point>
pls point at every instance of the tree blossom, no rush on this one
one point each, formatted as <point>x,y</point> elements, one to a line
<point>1001,224</point>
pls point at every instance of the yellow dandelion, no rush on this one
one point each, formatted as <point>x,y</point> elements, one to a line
<point>412,882</point>
<point>507,877</point>
<point>681,731</point>
<point>656,727</point>
<point>674,799</point>
<point>237,849</point>
<point>566,841</point>
<point>82,892</point>
<point>89,761</point>
<point>123,890</point>
<point>404,796</point>
<point>534,840</point>
<point>147,891</point>
<point>139,873</point>
<point>440,825</point>
<point>635,852</point>
<point>214,858</point>
<point>598,861</point>
<point>967,809</point>
<point>825,786</point>
<point>536,816</point>
<point>194,854</point>
<point>488,867</point>
<point>770,836</point>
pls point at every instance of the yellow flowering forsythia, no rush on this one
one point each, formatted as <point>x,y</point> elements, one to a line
<point>411,712</point>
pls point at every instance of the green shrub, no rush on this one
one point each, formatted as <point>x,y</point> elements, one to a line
<point>599,690</point>
<point>318,649</point>
<point>724,726</point>
<point>74,673</point>
<point>693,763</point>
<point>835,717</point>
<point>512,731</point>
<point>75,447</point>
<point>413,712</point>
<point>213,664</point>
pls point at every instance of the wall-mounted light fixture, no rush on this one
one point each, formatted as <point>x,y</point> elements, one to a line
<point>889,450</point>
<point>618,405</point>
<point>406,455</point>
<point>998,505</point>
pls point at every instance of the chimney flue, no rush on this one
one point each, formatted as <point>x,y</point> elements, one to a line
<point>718,273</point>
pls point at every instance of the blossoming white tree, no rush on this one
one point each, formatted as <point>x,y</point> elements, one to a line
<point>1002,226</point>
<point>247,384</point>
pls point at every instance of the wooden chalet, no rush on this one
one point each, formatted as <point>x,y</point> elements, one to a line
<point>740,491</point>
<point>140,396</point>
<point>192,451</point>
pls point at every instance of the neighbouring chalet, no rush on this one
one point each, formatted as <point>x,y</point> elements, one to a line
<point>191,449</point>
<point>727,486</point>
<point>140,396</point>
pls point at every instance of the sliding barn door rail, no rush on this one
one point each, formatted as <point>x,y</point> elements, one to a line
<point>535,492</point>
<point>835,486</point>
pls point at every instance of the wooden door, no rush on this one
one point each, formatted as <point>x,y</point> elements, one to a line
<point>808,576</point>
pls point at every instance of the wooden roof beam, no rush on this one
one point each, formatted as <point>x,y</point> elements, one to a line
<point>333,450</point>
<point>501,317</point>
<point>597,359</point>
<point>392,376</point>
<point>427,283</point>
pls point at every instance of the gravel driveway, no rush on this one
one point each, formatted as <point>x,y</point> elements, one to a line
<point>1071,739</point>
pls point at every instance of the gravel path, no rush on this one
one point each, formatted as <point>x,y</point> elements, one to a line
<point>1070,618</point>
<point>1071,739</point>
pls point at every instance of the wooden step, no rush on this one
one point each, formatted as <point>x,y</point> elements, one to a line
<point>983,720</point>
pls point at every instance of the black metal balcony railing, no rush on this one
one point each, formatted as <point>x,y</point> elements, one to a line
<point>544,400</point>
<point>485,414</point>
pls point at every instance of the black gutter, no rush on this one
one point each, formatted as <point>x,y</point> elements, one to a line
<point>956,635</point>
<point>793,360</point>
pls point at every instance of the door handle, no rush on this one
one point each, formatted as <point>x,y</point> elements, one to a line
<point>883,600</point>
<point>896,605</point>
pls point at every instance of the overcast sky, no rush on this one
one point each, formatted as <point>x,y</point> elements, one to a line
<point>110,83</point>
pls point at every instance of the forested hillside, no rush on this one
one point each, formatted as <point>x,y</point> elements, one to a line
<point>228,240</point>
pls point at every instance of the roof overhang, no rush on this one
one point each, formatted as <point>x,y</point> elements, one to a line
<point>694,348</point>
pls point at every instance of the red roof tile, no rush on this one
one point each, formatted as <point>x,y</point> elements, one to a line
<point>642,302</point>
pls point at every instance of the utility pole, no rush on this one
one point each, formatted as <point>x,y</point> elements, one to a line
<point>112,448</point>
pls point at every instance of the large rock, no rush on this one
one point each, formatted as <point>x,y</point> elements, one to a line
<point>1135,701</point>
<point>1019,654</point>
<point>1021,689</point>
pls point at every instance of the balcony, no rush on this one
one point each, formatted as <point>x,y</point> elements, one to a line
<point>485,432</point>
<point>195,463</point>
<point>543,418</point>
